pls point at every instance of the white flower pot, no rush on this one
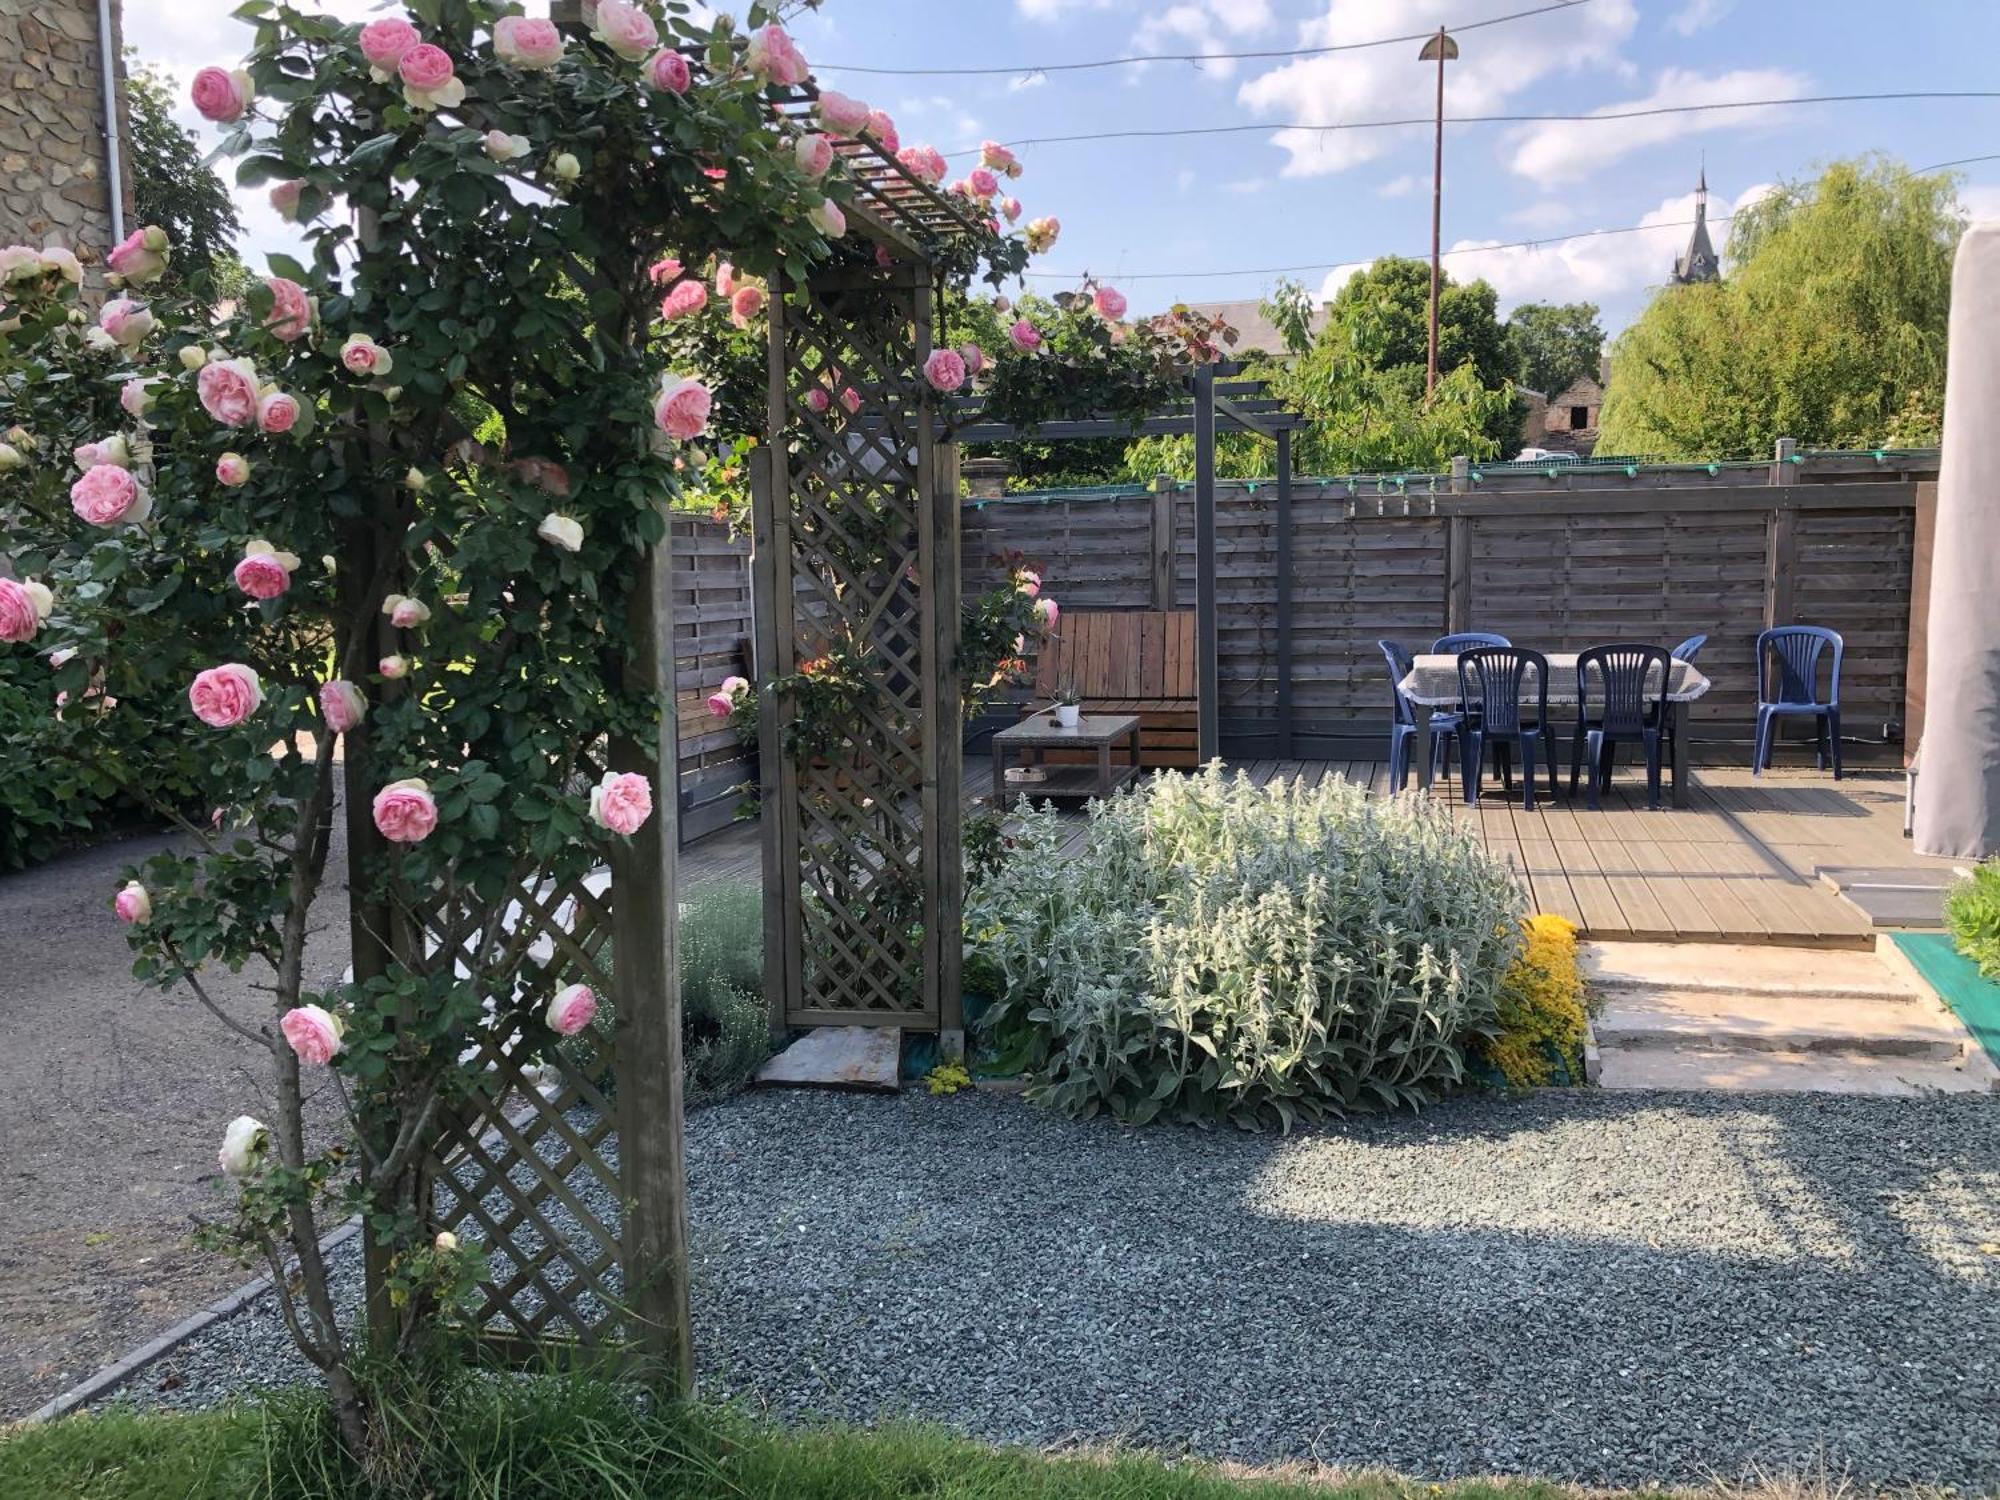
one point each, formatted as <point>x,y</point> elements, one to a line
<point>1067,714</point>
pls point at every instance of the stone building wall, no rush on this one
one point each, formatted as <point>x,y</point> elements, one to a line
<point>53,171</point>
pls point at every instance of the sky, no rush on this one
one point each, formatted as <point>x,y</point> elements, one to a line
<point>1211,218</point>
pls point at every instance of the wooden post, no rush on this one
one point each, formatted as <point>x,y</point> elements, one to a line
<point>1783,470</point>
<point>1208,735</point>
<point>1461,474</point>
<point>1284,593</point>
<point>646,978</point>
<point>771,599</point>
<point>1162,539</point>
<point>1457,574</point>
<point>945,754</point>
<point>1780,559</point>
<point>1917,669</point>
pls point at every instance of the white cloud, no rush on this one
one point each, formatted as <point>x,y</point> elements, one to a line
<point>1697,14</point>
<point>1339,276</point>
<point>1204,26</point>
<point>1399,187</point>
<point>936,115</point>
<point>1388,82</point>
<point>1566,150</point>
<point>1548,213</point>
<point>1053,10</point>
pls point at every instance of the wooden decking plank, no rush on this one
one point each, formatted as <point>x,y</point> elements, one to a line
<point>1548,881</point>
<point>1596,898</point>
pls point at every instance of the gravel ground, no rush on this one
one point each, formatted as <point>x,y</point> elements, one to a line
<point>1611,1289</point>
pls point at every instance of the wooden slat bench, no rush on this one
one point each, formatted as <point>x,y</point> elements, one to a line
<point>1128,662</point>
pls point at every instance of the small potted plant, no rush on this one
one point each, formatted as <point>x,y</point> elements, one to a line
<point>1069,704</point>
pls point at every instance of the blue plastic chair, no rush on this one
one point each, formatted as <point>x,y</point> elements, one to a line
<point>1466,640</point>
<point>1631,684</point>
<point>1796,652</point>
<point>1405,724</point>
<point>1688,649</point>
<point>1490,680</point>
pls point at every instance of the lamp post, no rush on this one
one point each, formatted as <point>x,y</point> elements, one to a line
<point>1443,49</point>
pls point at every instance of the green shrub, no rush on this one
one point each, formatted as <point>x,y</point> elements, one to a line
<point>1972,912</point>
<point>1223,951</point>
<point>725,1023</point>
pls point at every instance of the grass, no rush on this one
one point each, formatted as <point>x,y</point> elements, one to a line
<point>553,1438</point>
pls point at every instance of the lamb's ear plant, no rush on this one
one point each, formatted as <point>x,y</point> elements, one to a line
<point>1223,951</point>
<point>1972,913</point>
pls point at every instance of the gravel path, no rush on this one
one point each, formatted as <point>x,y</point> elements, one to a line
<point>1612,1289</point>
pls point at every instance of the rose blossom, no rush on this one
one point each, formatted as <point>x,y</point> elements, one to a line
<point>884,130</point>
<point>983,183</point>
<point>11,458</point>
<point>565,166</point>
<point>945,370</point>
<point>363,356</point>
<point>125,321</point>
<point>342,705</point>
<point>445,1243</point>
<point>686,297</point>
<point>136,395</point>
<point>842,115</point>
<point>277,412</point>
<point>285,197</point>
<point>395,668</point>
<point>141,256</point>
<point>405,812</point>
<point>923,163</point>
<point>23,607</point>
<point>61,259</point>
<point>744,304</point>
<point>974,357</point>
<point>814,154</point>
<point>1109,302</point>
<point>621,802</point>
<point>1041,233</point>
<point>225,696</point>
<point>1047,612</point>
<point>429,80</point>
<point>111,450</point>
<point>681,408</point>
<point>725,278</point>
<point>384,44</point>
<point>998,158</point>
<point>243,1146</point>
<point>314,1034</point>
<point>667,71</point>
<point>817,399</point>
<point>570,1011</point>
<point>828,219</point>
<point>625,29</point>
<point>264,572</point>
<point>1011,207</point>
<point>1024,336</point>
<point>501,146</point>
<point>405,613</point>
<point>527,42</point>
<point>663,270</point>
<point>722,702</point>
<point>851,399</point>
<point>228,390</point>
<point>133,904</point>
<point>193,357</point>
<point>291,312</point>
<point>1028,582</point>
<point>232,469</point>
<point>560,531</point>
<point>221,96</point>
<point>774,57</point>
<point>107,495</point>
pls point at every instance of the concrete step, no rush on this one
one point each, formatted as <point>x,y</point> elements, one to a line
<point>1732,1071</point>
<point>1744,969</point>
<point>1642,1019</point>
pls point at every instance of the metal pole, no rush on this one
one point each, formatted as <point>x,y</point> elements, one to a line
<point>1437,216</point>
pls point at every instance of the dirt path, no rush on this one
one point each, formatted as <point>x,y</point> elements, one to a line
<point>113,1097</point>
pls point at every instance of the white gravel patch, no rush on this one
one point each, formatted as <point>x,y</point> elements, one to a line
<point>1609,1289</point>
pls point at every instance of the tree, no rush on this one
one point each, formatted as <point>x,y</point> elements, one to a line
<point>174,188</point>
<point>1552,345</point>
<point>1829,327</point>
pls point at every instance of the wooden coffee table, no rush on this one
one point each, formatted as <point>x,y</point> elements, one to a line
<point>1039,732</point>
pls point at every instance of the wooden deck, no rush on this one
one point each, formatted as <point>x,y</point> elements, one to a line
<point>1741,864</point>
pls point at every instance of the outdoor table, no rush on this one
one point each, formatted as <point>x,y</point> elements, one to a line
<point>1040,731</point>
<point>1433,683</point>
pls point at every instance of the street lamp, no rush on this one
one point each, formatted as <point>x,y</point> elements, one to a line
<point>1442,49</point>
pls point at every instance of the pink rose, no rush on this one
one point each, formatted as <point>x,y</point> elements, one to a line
<point>571,1010</point>
<point>425,67</point>
<point>1041,233</point>
<point>221,96</point>
<point>851,400</point>
<point>983,183</point>
<point>923,163</point>
<point>395,668</point>
<point>817,399</point>
<point>945,370</point>
<point>342,705</point>
<point>1109,302</point>
<point>1047,612</point>
<point>314,1034</point>
<point>998,158</point>
<point>277,412</point>
<point>361,355</point>
<point>232,469</point>
<point>722,702</point>
<point>127,322</point>
<point>225,696</point>
<point>884,130</point>
<point>111,450</point>
<point>687,297</point>
<point>1024,336</point>
<point>291,312</point>
<point>107,494</point>
<point>842,115</point>
<point>814,154</point>
<point>625,29</point>
<point>405,812</point>
<point>1028,581</point>
<point>681,409</point>
<point>1011,207</point>
<point>406,614</point>
<point>667,71</point>
<point>141,256</point>
<point>285,196</point>
<point>725,279</point>
<point>774,57</point>
<point>663,270</point>
<point>621,802</point>
<point>527,42</point>
<point>261,576</point>
<point>136,395</point>
<point>23,607</point>
<point>385,42</point>
<point>974,357</point>
<point>828,219</point>
<point>228,390</point>
<point>744,304</point>
<point>133,904</point>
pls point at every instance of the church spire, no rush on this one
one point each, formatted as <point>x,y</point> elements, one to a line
<point>1700,262</point>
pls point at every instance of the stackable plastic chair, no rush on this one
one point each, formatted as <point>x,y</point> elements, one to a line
<point>1467,640</point>
<point>1689,648</point>
<point>1408,720</point>
<point>1792,691</point>
<point>1489,685</point>
<point>1632,705</point>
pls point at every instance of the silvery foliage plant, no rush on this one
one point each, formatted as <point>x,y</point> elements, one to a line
<point>1219,950</point>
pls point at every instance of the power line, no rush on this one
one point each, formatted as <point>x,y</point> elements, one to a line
<point>1029,69</point>
<point>1605,116</point>
<point>1963,161</point>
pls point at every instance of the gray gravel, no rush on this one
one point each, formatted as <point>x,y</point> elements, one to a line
<point>1612,1289</point>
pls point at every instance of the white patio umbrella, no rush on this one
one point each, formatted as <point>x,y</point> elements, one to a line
<point>1958,790</point>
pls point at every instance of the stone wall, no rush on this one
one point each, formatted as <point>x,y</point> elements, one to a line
<point>52,160</point>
